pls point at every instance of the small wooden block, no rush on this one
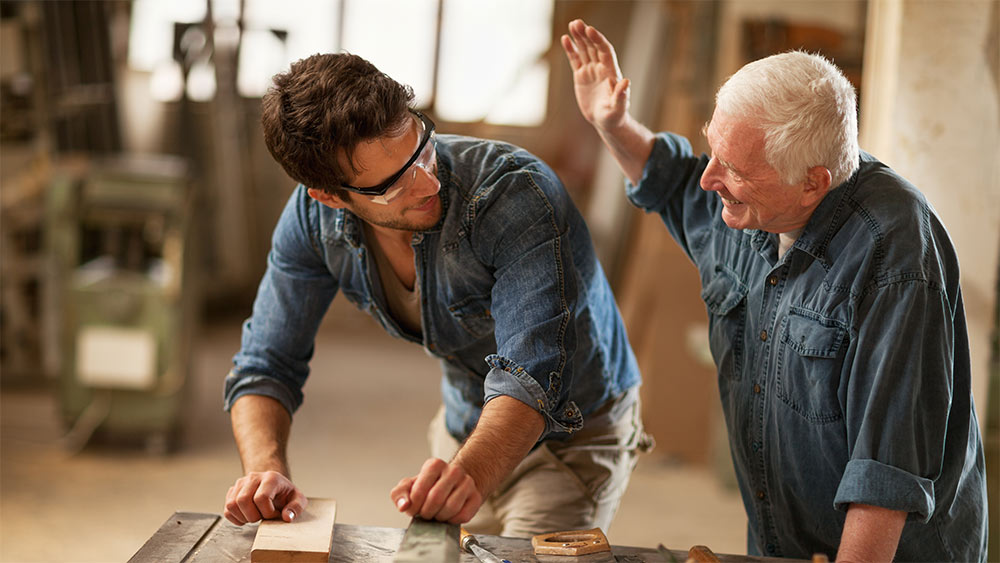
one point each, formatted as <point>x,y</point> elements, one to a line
<point>306,539</point>
<point>574,542</point>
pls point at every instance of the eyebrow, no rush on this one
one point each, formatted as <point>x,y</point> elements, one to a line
<point>728,165</point>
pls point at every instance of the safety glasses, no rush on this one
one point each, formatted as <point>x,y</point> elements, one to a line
<point>423,157</point>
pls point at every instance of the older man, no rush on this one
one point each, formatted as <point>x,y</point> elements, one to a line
<point>835,311</point>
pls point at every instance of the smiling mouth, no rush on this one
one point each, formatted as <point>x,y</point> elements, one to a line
<point>728,201</point>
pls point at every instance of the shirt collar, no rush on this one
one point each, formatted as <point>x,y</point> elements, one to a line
<point>829,216</point>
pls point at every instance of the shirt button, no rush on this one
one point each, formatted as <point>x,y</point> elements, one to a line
<point>773,280</point>
<point>756,446</point>
<point>770,548</point>
<point>763,335</point>
<point>756,387</point>
<point>760,495</point>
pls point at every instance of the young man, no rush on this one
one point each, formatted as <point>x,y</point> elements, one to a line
<point>469,248</point>
<point>835,311</point>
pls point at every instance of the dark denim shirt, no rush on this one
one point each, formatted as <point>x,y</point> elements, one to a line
<point>513,299</point>
<point>843,366</point>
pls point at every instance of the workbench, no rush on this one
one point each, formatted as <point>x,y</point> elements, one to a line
<point>208,538</point>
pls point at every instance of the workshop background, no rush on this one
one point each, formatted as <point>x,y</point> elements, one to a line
<point>138,199</point>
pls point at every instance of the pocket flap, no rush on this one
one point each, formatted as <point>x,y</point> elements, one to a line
<point>813,337</point>
<point>723,292</point>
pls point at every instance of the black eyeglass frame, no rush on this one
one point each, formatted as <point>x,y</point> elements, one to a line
<point>380,189</point>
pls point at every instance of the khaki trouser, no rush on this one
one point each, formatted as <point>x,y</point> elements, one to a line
<point>562,485</point>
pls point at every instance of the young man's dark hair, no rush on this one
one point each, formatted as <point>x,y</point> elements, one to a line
<point>473,250</point>
<point>324,104</point>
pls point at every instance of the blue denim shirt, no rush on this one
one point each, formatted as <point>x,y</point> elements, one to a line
<point>513,299</point>
<point>843,366</point>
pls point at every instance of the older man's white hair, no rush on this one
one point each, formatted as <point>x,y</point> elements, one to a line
<point>806,108</point>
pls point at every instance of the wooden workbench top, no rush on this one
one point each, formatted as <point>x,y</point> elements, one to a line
<point>209,538</point>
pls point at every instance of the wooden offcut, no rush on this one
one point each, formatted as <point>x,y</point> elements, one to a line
<point>571,542</point>
<point>306,539</point>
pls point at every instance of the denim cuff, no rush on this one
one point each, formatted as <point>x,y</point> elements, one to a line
<point>867,481</point>
<point>666,146</point>
<point>238,385</point>
<point>507,378</point>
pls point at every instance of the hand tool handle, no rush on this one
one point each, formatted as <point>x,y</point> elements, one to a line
<point>470,544</point>
<point>702,554</point>
<point>465,539</point>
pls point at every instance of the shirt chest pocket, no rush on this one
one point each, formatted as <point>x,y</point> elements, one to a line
<point>473,314</point>
<point>725,298</point>
<point>809,365</point>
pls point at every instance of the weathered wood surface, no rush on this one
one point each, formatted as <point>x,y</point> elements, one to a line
<point>223,542</point>
<point>176,538</point>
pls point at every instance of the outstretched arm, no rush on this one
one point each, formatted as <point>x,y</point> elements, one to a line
<point>260,427</point>
<point>603,97</point>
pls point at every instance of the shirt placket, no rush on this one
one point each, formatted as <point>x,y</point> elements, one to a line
<point>769,285</point>
<point>419,263</point>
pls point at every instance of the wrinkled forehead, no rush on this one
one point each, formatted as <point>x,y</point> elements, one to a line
<point>737,139</point>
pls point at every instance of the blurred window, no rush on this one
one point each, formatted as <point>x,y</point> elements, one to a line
<point>492,61</point>
<point>486,61</point>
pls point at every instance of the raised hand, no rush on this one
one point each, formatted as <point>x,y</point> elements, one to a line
<point>601,92</point>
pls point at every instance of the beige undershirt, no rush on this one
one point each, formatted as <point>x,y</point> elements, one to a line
<point>786,240</point>
<point>403,302</point>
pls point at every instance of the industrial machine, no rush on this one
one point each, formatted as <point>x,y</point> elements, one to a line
<point>118,235</point>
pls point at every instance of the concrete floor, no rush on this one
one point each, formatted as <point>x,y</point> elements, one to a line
<point>353,439</point>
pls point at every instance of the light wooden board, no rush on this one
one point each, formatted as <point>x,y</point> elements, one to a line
<point>306,539</point>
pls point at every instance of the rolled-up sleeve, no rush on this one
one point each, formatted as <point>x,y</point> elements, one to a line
<point>670,187</point>
<point>671,167</point>
<point>293,296</point>
<point>899,398</point>
<point>525,240</point>
<point>867,481</point>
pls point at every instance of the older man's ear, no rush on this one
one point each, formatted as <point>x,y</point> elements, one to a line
<point>816,185</point>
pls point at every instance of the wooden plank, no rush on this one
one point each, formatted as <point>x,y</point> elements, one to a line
<point>176,538</point>
<point>307,539</point>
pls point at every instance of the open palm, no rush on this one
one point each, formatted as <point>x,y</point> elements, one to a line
<point>601,92</point>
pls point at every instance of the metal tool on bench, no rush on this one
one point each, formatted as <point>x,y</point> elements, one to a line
<point>586,546</point>
<point>428,542</point>
<point>470,544</point>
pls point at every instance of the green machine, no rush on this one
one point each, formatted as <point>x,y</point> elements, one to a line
<point>118,234</point>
